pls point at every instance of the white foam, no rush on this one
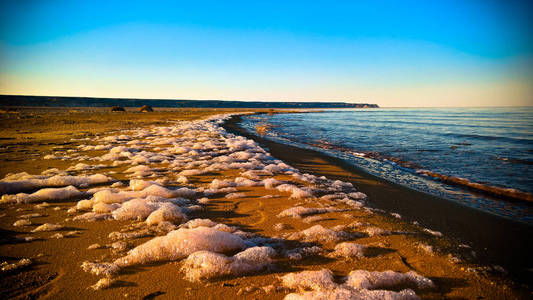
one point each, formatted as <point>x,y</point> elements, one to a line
<point>7,267</point>
<point>167,212</point>
<point>24,181</point>
<point>309,280</point>
<point>98,269</point>
<point>198,223</point>
<point>318,233</point>
<point>299,211</point>
<point>349,250</point>
<point>295,191</point>
<point>103,283</point>
<point>32,215</point>
<point>235,195</point>
<point>23,222</point>
<point>218,184</point>
<point>347,293</point>
<point>139,185</point>
<point>206,264</point>
<point>43,195</point>
<point>433,233</point>
<point>47,227</point>
<point>138,208</point>
<point>181,243</point>
<point>271,183</point>
<point>362,279</point>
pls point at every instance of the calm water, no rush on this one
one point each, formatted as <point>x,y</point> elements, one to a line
<point>492,147</point>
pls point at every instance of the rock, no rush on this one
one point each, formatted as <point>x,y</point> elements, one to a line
<point>117,108</point>
<point>146,108</point>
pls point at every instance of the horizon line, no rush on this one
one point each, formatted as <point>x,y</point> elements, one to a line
<point>266,101</point>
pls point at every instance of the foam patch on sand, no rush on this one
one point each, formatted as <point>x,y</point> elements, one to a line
<point>349,250</point>
<point>299,211</point>
<point>296,192</point>
<point>318,233</point>
<point>321,285</point>
<point>47,227</point>
<point>7,267</point>
<point>346,293</point>
<point>362,279</point>
<point>23,181</point>
<point>46,194</point>
<point>207,265</point>
<point>180,243</point>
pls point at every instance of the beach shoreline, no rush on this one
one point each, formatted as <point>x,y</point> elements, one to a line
<point>393,243</point>
<point>496,240</point>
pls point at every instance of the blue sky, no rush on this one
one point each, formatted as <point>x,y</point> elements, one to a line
<point>394,53</point>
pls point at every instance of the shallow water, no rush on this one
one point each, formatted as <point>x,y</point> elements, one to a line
<point>489,146</point>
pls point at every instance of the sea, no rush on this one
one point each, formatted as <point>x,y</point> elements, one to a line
<point>479,157</point>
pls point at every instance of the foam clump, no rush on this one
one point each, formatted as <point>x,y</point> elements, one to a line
<point>43,195</point>
<point>139,185</point>
<point>342,293</point>
<point>433,233</point>
<point>32,215</point>
<point>374,231</point>
<point>300,253</point>
<point>93,216</point>
<point>362,279</point>
<point>23,181</point>
<point>98,269</point>
<point>309,280</point>
<point>299,211</point>
<point>235,195</point>
<point>47,227</point>
<point>271,183</point>
<point>295,191</point>
<point>206,264</point>
<point>115,235</point>
<point>318,233</point>
<point>57,236</point>
<point>181,243</point>
<point>94,246</point>
<point>349,250</point>
<point>7,267</point>
<point>321,285</point>
<point>138,208</point>
<point>167,212</point>
<point>22,222</point>
<point>218,184</point>
<point>103,283</point>
<point>198,223</point>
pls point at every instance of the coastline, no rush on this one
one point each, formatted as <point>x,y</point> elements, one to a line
<point>496,240</point>
<point>58,255</point>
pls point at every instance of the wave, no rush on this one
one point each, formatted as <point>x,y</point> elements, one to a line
<point>478,187</point>
<point>411,167</point>
<point>487,137</point>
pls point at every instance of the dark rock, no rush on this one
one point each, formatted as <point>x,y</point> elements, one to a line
<point>117,108</point>
<point>146,108</point>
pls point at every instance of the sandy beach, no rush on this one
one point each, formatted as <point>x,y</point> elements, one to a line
<point>170,205</point>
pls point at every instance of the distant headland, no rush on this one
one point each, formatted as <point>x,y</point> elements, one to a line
<point>52,101</point>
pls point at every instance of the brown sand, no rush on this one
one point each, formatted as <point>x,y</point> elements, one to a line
<point>56,273</point>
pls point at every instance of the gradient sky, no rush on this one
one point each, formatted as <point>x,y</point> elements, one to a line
<point>394,53</point>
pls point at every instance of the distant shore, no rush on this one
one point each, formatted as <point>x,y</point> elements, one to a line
<point>53,101</point>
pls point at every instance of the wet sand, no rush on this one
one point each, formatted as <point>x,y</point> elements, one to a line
<point>27,136</point>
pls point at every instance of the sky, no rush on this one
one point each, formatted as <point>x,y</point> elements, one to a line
<point>393,53</point>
